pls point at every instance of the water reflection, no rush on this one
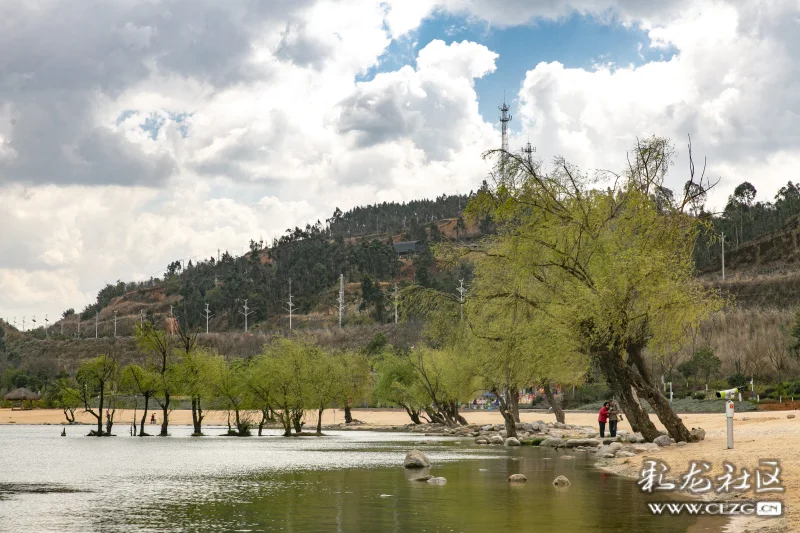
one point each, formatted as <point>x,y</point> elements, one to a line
<point>349,481</point>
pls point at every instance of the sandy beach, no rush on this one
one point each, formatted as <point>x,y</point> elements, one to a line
<point>759,435</point>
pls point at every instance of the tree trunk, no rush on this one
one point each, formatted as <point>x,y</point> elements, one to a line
<point>100,411</point>
<point>165,421</point>
<point>515,405</point>
<point>70,415</point>
<point>197,417</point>
<point>319,420</point>
<point>348,416</point>
<point>504,403</point>
<point>645,387</point>
<point>413,414</point>
<point>263,421</point>
<point>144,416</point>
<point>620,378</point>
<point>296,420</point>
<point>551,399</point>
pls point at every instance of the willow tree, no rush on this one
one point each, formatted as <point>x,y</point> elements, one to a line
<point>356,380</point>
<point>139,381</point>
<point>97,378</point>
<point>163,349</point>
<point>511,343</point>
<point>612,267</point>
<point>198,370</point>
<point>397,383</point>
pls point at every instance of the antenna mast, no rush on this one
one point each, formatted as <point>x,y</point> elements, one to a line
<point>529,151</point>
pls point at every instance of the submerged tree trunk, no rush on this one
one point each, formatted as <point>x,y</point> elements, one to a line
<point>504,405</point>
<point>69,413</point>
<point>165,413</point>
<point>556,405</point>
<point>297,418</point>
<point>514,398</point>
<point>348,416</point>
<point>413,414</point>
<point>319,420</point>
<point>197,417</point>
<point>144,416</point>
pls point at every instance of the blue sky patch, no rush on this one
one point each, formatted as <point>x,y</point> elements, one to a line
<point>576,42</point>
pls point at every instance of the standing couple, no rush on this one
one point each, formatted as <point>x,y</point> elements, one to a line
<point>611,414</point>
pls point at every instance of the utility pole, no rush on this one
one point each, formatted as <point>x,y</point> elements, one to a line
<point>46,333</point>
<point>115,323</point>
<point>505,118</point>
<point>208,315</point>
<point>461,291</point>
<point>62,327</point>
<point>341,298</point>
<point>290,305</point>
<point>23,322</point>
<point>245,313</point>
<point>141,318</point>
<point>395,304</point>
<point>96,323</point>
<point>723,256</point>
<point>79,325</point>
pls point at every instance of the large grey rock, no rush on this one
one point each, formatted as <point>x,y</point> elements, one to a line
<point>608,456</point>
<point>503,433</point>
<point>481,440</point>
<point>416,459</point>
<point>558,425</point>
<point>573,443</point>
<point>680,443</point>
<point>517,478</point>
<point>553,442</point>
<point>511,441</point>
<point>561,481</point>
<point>623,453</point>
<point>789,416</point>
<point>614,446</point>
<point>662,440</point>
<point>698,433</point>
<point>487,427</point>
<point>437,480</point>
<point>495,439</point>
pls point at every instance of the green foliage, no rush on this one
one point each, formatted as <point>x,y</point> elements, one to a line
<point>737,380</point>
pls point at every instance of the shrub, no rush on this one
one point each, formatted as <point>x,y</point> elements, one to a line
<point>737,380</point>
<point>699,396</point>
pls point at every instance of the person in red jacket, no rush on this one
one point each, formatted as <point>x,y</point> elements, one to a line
<point>602,418</point>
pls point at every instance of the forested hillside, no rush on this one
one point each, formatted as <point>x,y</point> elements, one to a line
<point>309,261</point>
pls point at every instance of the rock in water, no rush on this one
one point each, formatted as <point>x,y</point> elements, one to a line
<point>561,481</point>
<point>423,478</point>
<point>495,439</point>
<point>698,433</point>
<point>553,442</point>
<point>481,440</point>
<point>662,440</point>
<point>517,478</point>
<point>511,441</point>
<point>416,459</point>
<point>437,480</point>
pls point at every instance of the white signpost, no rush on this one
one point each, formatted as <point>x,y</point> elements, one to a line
<point>729,415</point>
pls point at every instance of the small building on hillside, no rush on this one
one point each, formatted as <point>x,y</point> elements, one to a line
<point>405,247</point>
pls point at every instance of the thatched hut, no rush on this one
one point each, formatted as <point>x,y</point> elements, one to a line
<point>21,395</point>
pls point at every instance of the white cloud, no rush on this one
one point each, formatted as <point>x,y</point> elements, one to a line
<point>255,122</point>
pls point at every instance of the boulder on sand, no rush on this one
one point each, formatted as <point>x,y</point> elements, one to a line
<point>698,433</point>
<point>662,440</point>
<point>416,459</point>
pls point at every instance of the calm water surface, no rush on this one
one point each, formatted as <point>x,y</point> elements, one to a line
<point>348,481</point>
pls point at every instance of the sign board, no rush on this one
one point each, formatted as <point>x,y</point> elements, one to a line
<point>729,409</point>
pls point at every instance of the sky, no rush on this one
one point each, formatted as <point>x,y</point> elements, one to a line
<point>137,132</point>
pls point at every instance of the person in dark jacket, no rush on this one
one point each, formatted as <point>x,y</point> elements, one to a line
<point>614,416</point>
<point>602,418</point>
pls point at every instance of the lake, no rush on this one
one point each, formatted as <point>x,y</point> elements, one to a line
<point>346,481</point>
